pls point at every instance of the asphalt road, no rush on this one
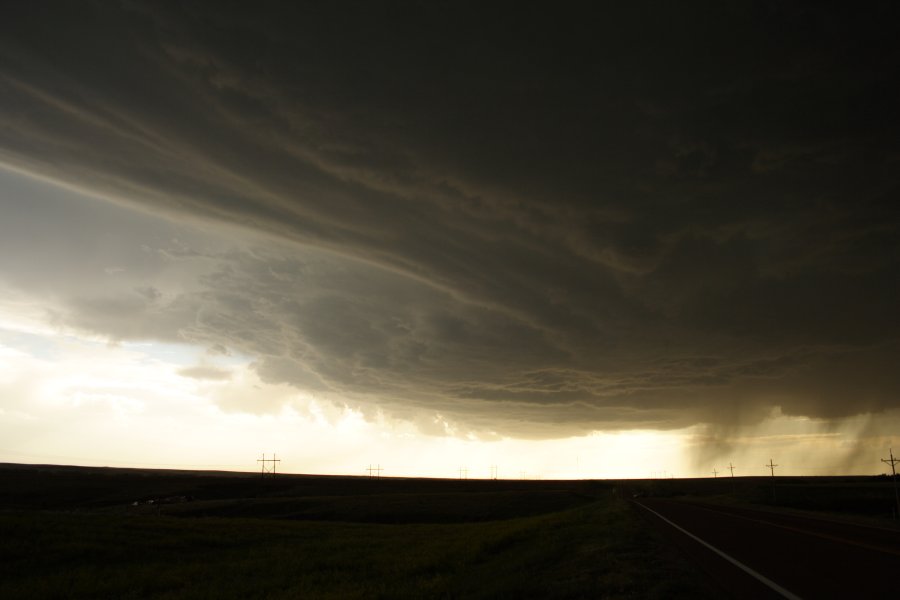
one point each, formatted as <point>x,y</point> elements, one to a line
<point>798,556</point>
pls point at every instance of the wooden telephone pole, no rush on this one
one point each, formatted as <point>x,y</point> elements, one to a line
<point>893,462</point>
<point>265,470</point>
<point>772,466</point>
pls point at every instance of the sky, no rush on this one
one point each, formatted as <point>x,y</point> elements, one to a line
<point>646,240</point>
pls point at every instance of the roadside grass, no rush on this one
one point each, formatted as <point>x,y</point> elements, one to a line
<point>597,550</point>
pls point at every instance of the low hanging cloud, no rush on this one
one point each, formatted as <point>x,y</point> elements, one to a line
<point>206,372</point>
<point>541,228</point>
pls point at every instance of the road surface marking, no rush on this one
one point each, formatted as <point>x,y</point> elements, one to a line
<point>738,564</point>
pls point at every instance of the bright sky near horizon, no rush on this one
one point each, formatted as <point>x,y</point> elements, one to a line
<point>79,398</point>
<point>568,247</point>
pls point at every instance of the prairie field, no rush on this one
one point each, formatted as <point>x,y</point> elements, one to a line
<point>77,533</point>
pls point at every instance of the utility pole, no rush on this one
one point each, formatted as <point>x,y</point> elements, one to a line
<point>374,472</point>
<point>772,466</point>
<point>463,473</point>
<point>731,468</point>
<point>715,473</point>
<point>266,469</point>
<point>494,472</point>
<point>893,462</point>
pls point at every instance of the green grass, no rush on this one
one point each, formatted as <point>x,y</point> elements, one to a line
<point>597,550</point>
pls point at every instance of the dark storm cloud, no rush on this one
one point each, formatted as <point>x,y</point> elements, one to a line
<point>540,224</point>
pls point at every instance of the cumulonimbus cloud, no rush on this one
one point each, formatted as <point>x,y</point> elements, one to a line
<point>537,239</point>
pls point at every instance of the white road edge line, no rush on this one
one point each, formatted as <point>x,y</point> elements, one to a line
<point>739,565</point>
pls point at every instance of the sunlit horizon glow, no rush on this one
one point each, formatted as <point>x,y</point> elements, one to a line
<point>650,244</point>
<point>84,401</point>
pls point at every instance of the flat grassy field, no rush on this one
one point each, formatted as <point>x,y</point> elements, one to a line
<point>74,533</point>
<point>856,496</point>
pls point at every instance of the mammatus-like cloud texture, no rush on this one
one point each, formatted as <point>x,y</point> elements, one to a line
<point>532,225</point>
